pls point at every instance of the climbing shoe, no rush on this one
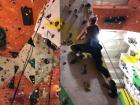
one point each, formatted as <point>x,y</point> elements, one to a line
<point>73,61</point>
<point>86,86</point>
<point>112,89</point>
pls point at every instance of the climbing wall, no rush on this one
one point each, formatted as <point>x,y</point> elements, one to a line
<point>11,20</point>
<point>111,56</point>
<point>36,58</point>
<point>47,27</point>
<point>7,64</point>
<point>36,68</point>
<point>74,15</point>
<point>130,65</point>
<point>45,60</point>
<point>48,90</point>
<point>37,61</point>
<point>130,9</point>
<point>50,24</point>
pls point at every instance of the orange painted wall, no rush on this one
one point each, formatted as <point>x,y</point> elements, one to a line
<point>11,20</point>
<point>132,10</point>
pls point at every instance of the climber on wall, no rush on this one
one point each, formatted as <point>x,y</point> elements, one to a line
<point>93,47</point>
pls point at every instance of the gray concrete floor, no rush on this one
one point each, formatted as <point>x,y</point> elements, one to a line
<point>72,80</point>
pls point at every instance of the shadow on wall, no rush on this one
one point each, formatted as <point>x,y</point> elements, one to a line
<point>92,77</point>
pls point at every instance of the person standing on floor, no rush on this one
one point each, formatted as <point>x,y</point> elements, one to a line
<point>93,47</point>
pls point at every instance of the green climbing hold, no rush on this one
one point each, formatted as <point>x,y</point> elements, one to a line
<point>32,62</point>
<point>11,84</point>
<point>136,80</point>
<point>64,97</point>
<point>2,38</point>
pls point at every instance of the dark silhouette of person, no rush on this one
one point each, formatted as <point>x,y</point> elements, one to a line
<point>93,47</point>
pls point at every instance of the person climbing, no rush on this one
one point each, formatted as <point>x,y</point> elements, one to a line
<point>93,47</point>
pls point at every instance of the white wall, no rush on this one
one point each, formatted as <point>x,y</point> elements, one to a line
<point>54,10</point>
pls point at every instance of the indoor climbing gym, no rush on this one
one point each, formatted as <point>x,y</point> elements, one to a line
<point>69,52</point>
<point>29,52</point>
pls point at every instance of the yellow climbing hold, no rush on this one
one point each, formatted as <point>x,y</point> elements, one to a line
<point>51,24</point>
<point>132,59</point>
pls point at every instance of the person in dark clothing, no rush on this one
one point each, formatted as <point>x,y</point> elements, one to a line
<point>93,47</point>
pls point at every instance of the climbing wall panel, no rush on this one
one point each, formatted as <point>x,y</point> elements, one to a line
<point>11,21</point>
<point>50,24</point>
